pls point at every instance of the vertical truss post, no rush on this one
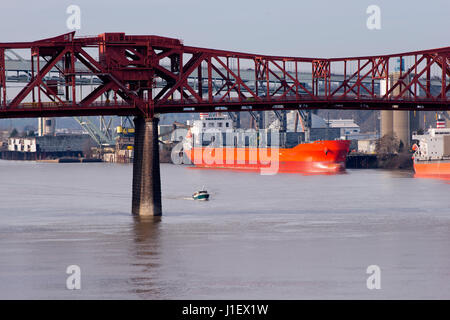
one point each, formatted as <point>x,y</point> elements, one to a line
<point>210,86</point>
<point>296,79</point>
<point>38,71</point>
<point>239,76</point>
<point>72,72</point>
<point>444,75</point>
<point>200,80</point>
<point>2,78</point>
<point>415,75</point>
<point>428,77</point>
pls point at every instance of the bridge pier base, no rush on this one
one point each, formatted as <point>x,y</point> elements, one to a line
<point>146,199</point>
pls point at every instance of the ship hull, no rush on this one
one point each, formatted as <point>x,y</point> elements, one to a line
<point>319,157</point>
<point>439,168</point>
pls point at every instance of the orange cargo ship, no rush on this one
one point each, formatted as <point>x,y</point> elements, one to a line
<point>316,157</point>
<point>439,169</point>
<point>326,156</point>
<point>432,155</point>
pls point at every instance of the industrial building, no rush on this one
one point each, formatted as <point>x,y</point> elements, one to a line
<point>47,145</point>
<point>347,127</point>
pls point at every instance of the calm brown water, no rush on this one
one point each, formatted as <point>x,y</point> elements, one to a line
<point>274,237</point>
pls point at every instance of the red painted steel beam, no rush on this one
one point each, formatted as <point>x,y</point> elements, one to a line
<point>130,65</point>
<point>2,78</point>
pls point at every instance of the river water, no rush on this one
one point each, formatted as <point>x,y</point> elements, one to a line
<point>285,236</point>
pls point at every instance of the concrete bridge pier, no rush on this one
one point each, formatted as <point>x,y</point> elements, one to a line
<point>401,123</point>
<point>387,122</point>
<point>146,172</point>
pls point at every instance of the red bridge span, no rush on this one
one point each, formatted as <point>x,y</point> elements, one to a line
<point>146,75</point>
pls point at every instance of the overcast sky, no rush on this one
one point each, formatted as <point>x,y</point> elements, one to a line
<point>319,28</point>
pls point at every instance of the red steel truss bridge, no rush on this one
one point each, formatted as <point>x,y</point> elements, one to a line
<point>146,75</point>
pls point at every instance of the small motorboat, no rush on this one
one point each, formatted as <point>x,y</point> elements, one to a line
<point>201,195</point>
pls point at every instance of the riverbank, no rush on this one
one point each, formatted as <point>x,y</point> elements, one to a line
<point>401,161</point>
<point>70,160</point>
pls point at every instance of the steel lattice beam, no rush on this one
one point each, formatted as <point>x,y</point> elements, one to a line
<point>196,79</point>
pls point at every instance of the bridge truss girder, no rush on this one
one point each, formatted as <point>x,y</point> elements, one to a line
<point>205,80</point>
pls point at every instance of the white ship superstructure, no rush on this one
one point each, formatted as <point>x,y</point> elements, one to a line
<point>433,145</point>
<point>432,155</point>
